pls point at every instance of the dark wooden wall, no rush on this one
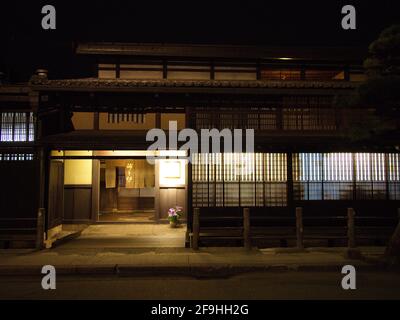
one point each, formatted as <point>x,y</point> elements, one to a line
<point>18,197</point>
<point>77,204</point>
<point>56,195</point>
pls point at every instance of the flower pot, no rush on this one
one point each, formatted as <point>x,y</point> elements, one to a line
<point>173,224</point>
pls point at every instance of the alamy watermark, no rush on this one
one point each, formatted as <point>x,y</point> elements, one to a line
<point>349,280</point>
<point>195,143</point>
<point>49,280</point>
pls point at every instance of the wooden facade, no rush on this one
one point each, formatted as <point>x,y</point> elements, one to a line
<point>303,154</point>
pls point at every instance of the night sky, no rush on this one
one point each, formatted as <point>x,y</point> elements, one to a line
<point>26,46</point>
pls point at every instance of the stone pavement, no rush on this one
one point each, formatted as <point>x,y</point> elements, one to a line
<point>207,262</point>
<point>146,235</point>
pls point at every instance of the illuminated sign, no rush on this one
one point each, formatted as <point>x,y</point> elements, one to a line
<point>172,173</point>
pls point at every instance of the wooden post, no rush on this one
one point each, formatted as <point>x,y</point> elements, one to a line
<point>196,229</point>
<point>393,249</point>
<point>350,228</point>
<point>299,228</point>
<point>246,229</point>
<point>40,229</point>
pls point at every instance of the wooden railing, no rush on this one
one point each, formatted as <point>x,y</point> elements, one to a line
<point>313,229</point>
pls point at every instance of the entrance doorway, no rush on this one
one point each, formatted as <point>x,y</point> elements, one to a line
<point>127,191</point>
<point>103,186</point>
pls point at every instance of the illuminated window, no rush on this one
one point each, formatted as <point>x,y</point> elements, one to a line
<point>322,176</point>
<point>239,179</point>
<point>324,75</point>
<point>188,71</point>
<point>394,167</point>
<point>17,127</point>
<point>394,176</point>
<point>106,71</point>
<point>260,179</point>
<point>338,167</point>
<point>235,72</point>
<point>280,74</point>
<point>370,176</point>
<point>31,128</point>
<point>7,126</point>
<point>16,157</point>
<point>141,71</point>
<point>346,176</point>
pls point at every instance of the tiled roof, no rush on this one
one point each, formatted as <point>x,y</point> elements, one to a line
<point>234,84</point>
<point>223,51</point>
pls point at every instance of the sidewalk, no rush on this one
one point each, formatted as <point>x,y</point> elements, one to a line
<point>207,262</point>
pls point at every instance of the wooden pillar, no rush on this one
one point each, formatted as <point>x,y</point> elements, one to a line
<point>189,186</point>
<point>40,229</point>
<point>95,190</point>
<point>196,229</point>
<point>303,73</point>
<point>393,249</point>
<point>96,121</point>
<point>115,198</point>
<point>351,228</point>
<point>246,229</point>
<point>289,187</point>
<point>118,69</point>
<point>258,70</point>
<point>43,171</point>
<point>158,120</point>
<point>346,73</point>
<point>165,69</point>
<point>299,228</point>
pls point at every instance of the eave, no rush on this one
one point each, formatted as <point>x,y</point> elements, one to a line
<point>294,141</point>
<point>204,51</point>
<point>191,86</point>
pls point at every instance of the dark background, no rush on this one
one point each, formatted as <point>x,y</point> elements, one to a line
<point>25,46</point>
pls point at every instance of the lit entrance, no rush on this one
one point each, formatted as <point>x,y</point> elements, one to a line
<point>127,191</point>
<point>87,187</point>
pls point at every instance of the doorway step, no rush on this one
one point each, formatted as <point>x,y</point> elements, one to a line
<point>63,233</point>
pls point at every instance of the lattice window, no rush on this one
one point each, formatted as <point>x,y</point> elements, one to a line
<point>20,128</point>
<point>231,118</point>
<point>370,175</point>
<point>318,176</point>
<point>239,179</point>
<point>346,176</point>
<point>31,127</point>
<point>11,157</point>
<point>260,179</point>
<point>17,127</point>
<point>308,119</point>
<point>126,117</point>
<point>393,175</point>
<point>267,118</point>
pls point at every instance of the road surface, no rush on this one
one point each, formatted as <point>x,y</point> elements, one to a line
<point>271,285</point>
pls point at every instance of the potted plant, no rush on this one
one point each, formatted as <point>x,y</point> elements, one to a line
<point>174,215</point>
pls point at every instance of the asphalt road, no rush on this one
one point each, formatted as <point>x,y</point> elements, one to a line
<point>285,285</point>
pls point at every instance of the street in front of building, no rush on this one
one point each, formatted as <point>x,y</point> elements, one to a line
<point>134,262</point>
<point>275,285</point>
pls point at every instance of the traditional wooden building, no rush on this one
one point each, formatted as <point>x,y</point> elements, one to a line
<point>77,147</point>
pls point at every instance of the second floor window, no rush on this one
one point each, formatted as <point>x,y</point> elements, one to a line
<point>17,126</point>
